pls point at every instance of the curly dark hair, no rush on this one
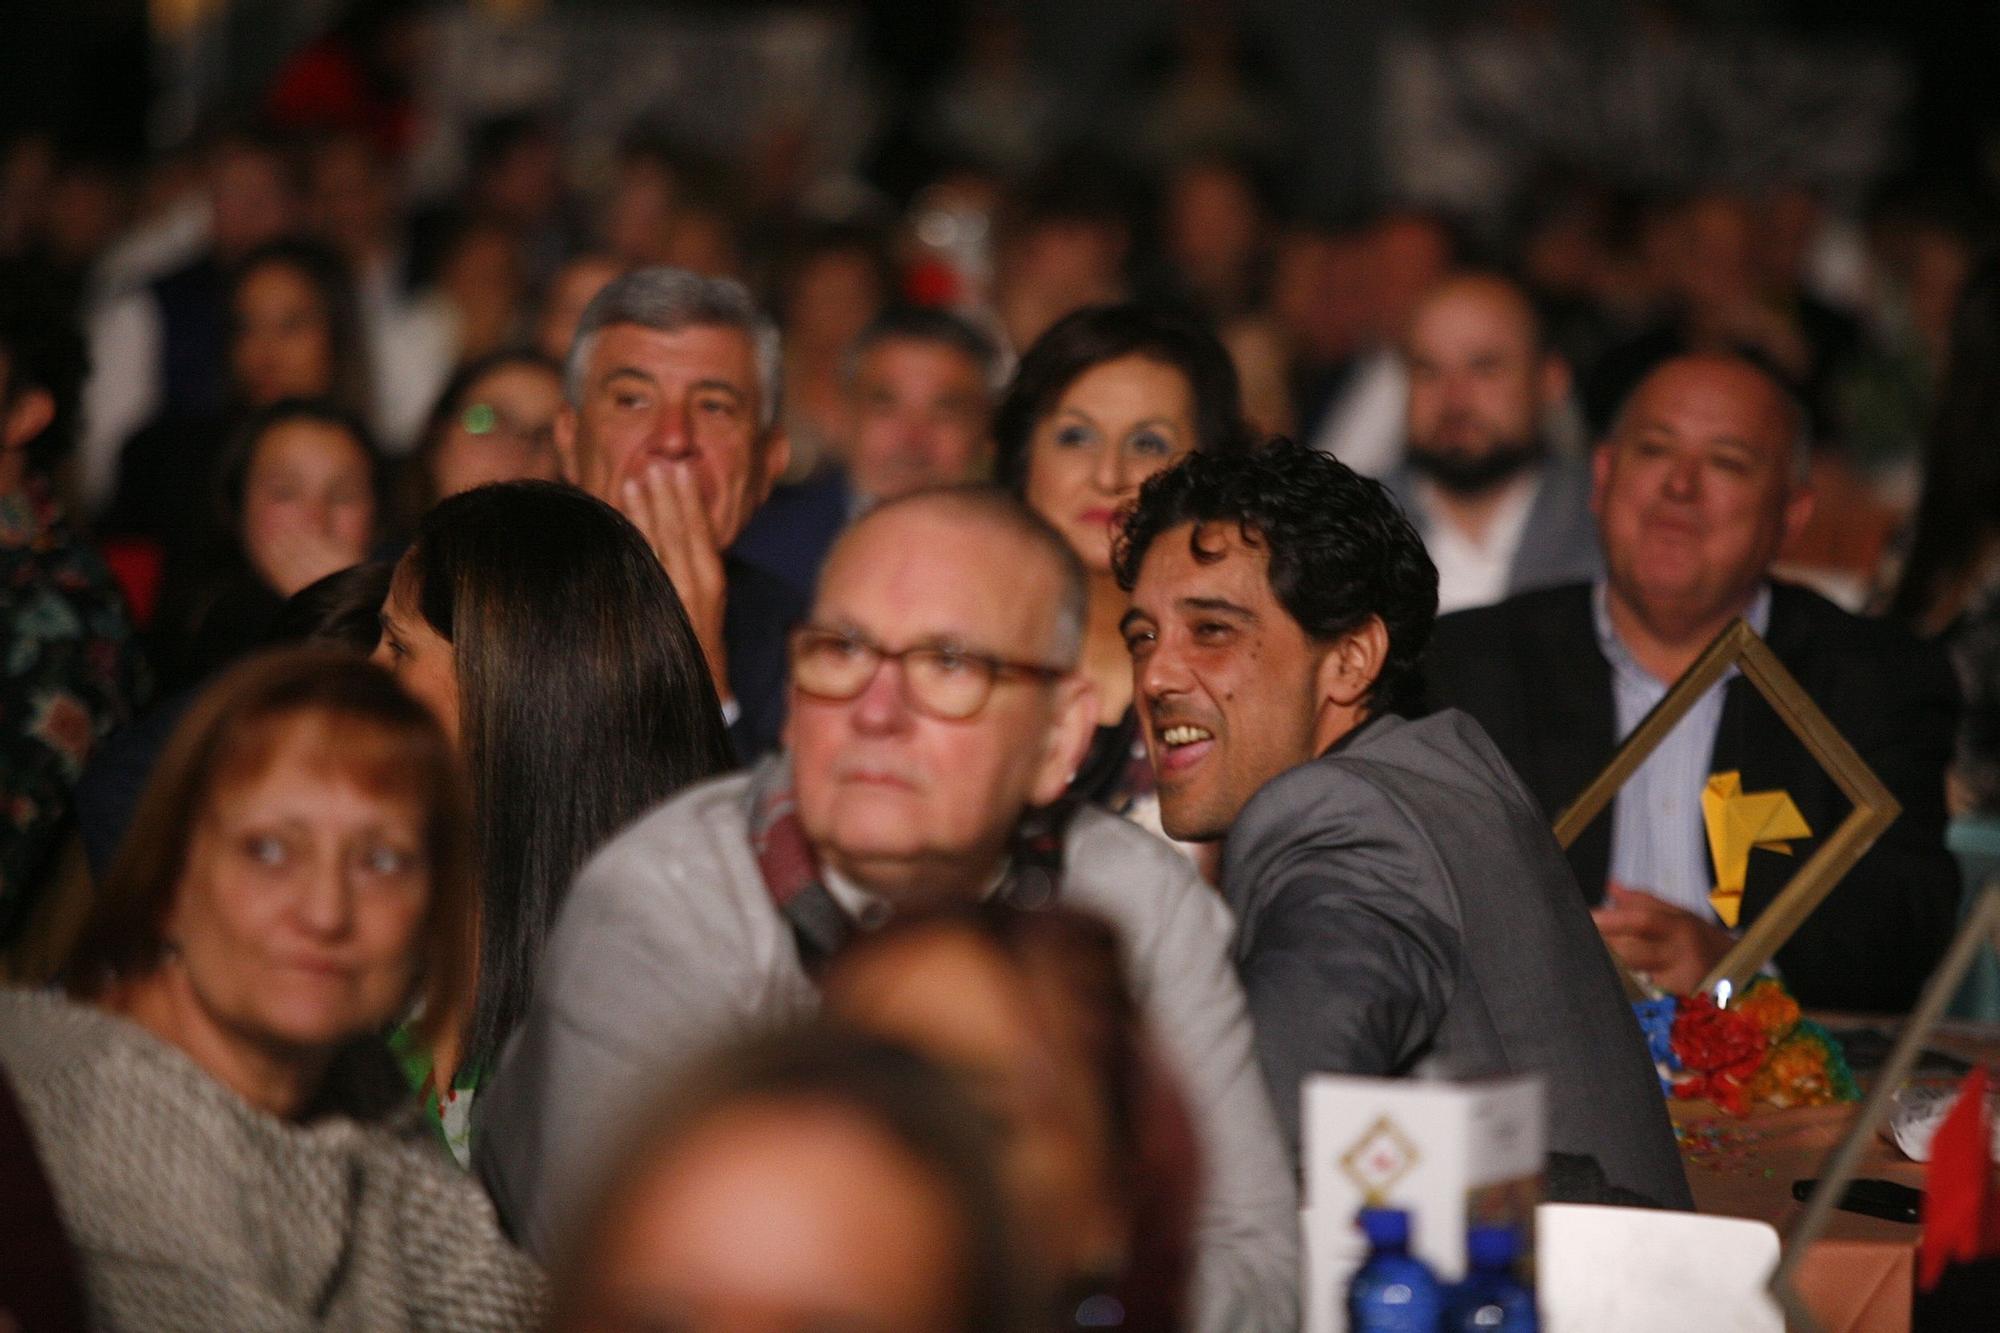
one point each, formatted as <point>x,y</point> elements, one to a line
<point>1094,335</point>
<point>1340,549</point>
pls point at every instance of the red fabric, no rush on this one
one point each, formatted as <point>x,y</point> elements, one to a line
<point>137,565</point>
<point>323,88</point>
<point>1961,1215</point>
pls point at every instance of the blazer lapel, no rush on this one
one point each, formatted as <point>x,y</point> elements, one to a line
<point>1574,726</point>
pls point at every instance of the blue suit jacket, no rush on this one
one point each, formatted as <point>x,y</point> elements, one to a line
<point>791,532</point>
<point>756,619</point>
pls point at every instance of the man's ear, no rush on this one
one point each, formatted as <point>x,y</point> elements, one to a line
<point>30,415</point>
<point>777,457</point>
<point>1353,664</point>
<point>1071,729</point>
<point>565,441</point>
<point>1600,475</point>
<point>1798,511</point>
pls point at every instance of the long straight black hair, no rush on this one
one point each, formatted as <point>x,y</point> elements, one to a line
<point>583,700</point>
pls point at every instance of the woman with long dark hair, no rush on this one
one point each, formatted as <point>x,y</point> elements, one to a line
<point>1107,397</point>
<point>538,627</point>
<point>1950,586</point>
<point>299,496</point>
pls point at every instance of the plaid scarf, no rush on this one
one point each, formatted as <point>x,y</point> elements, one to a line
<point>820,928</point>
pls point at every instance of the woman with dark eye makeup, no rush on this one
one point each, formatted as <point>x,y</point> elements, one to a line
<point>1106,398</point>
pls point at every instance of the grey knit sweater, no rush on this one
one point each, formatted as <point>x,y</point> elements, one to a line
<point>191,1210</point>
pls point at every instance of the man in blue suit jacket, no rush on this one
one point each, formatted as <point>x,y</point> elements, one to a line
<point>672,417</point>
<point>919,390</point>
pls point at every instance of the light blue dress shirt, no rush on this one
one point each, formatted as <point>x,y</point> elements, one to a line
<point>1658,843</point>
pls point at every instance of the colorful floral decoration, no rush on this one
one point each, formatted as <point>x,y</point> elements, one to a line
<point>1758,1050</point>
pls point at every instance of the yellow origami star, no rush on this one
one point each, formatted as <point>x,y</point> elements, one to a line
<point>1738,820</point>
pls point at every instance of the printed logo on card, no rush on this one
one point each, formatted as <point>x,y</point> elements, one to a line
<point>1379,1158</point>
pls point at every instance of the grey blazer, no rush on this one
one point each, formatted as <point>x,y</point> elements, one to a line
<point>1559,541</point>
<point>1401,901</point>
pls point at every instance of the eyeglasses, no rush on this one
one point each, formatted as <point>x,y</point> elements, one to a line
<point>938,679</point>
<point>483,419</point>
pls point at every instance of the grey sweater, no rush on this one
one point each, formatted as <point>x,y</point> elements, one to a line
<point>191,1210</point>
<point>669,943</point>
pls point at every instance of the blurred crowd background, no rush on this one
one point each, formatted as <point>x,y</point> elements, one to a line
<point>1809,180</point>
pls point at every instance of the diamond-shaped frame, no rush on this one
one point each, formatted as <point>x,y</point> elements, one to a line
<point>1383,1127</point>
<point>1982,926</point>
<point>1875,808</point>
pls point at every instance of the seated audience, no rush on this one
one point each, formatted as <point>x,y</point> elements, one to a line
<point>161,350</point>
<point>1106,398</point>
<point>806,1181</point>
<point>71,670</point>
<point>1498,511</point>
<point>575,285</point>
<point>352,204</point>
<point>829,284</point>
<point>301,490</point>
<point>672,419</point>
<point>918,389</point>
<point>228,1142</point>
<point>495,421</point>
<point>294,331</point>
<point>1696,488</point>
<point>1402,256</point>
<point>1950,588</point>
<point>1061,243</point>
<point>937,707</point>
<point>537,627</point>
<point>1034,1009</point>
<point>1401,906</point>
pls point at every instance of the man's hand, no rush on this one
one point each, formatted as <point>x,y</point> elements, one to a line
<point>1675,948</point>
<point>664,503</point>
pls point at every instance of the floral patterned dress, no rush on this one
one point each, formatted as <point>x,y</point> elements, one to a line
<point>69,673</point>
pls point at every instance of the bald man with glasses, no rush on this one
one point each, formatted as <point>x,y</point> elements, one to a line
<point>936,715</point>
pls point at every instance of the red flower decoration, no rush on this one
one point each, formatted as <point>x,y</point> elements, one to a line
<point>1720,1050</point>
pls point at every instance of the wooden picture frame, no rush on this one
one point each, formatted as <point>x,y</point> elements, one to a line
<point>1874,807</point>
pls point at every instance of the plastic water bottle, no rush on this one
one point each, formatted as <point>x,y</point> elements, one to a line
<point>1492,1299</point>
<point>1394,1291</point>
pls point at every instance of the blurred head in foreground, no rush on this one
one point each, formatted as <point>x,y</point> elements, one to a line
<point>807,1181</point>
<point>1033,1009</point>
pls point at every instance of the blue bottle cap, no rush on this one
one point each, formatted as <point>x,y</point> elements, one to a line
<point>1384,1226</point>
<point>1491,1246</point>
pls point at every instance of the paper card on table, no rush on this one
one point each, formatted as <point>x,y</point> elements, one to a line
<point>1738,820</point>
<point>1649,1270</point>
<point>1450,1153</point>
